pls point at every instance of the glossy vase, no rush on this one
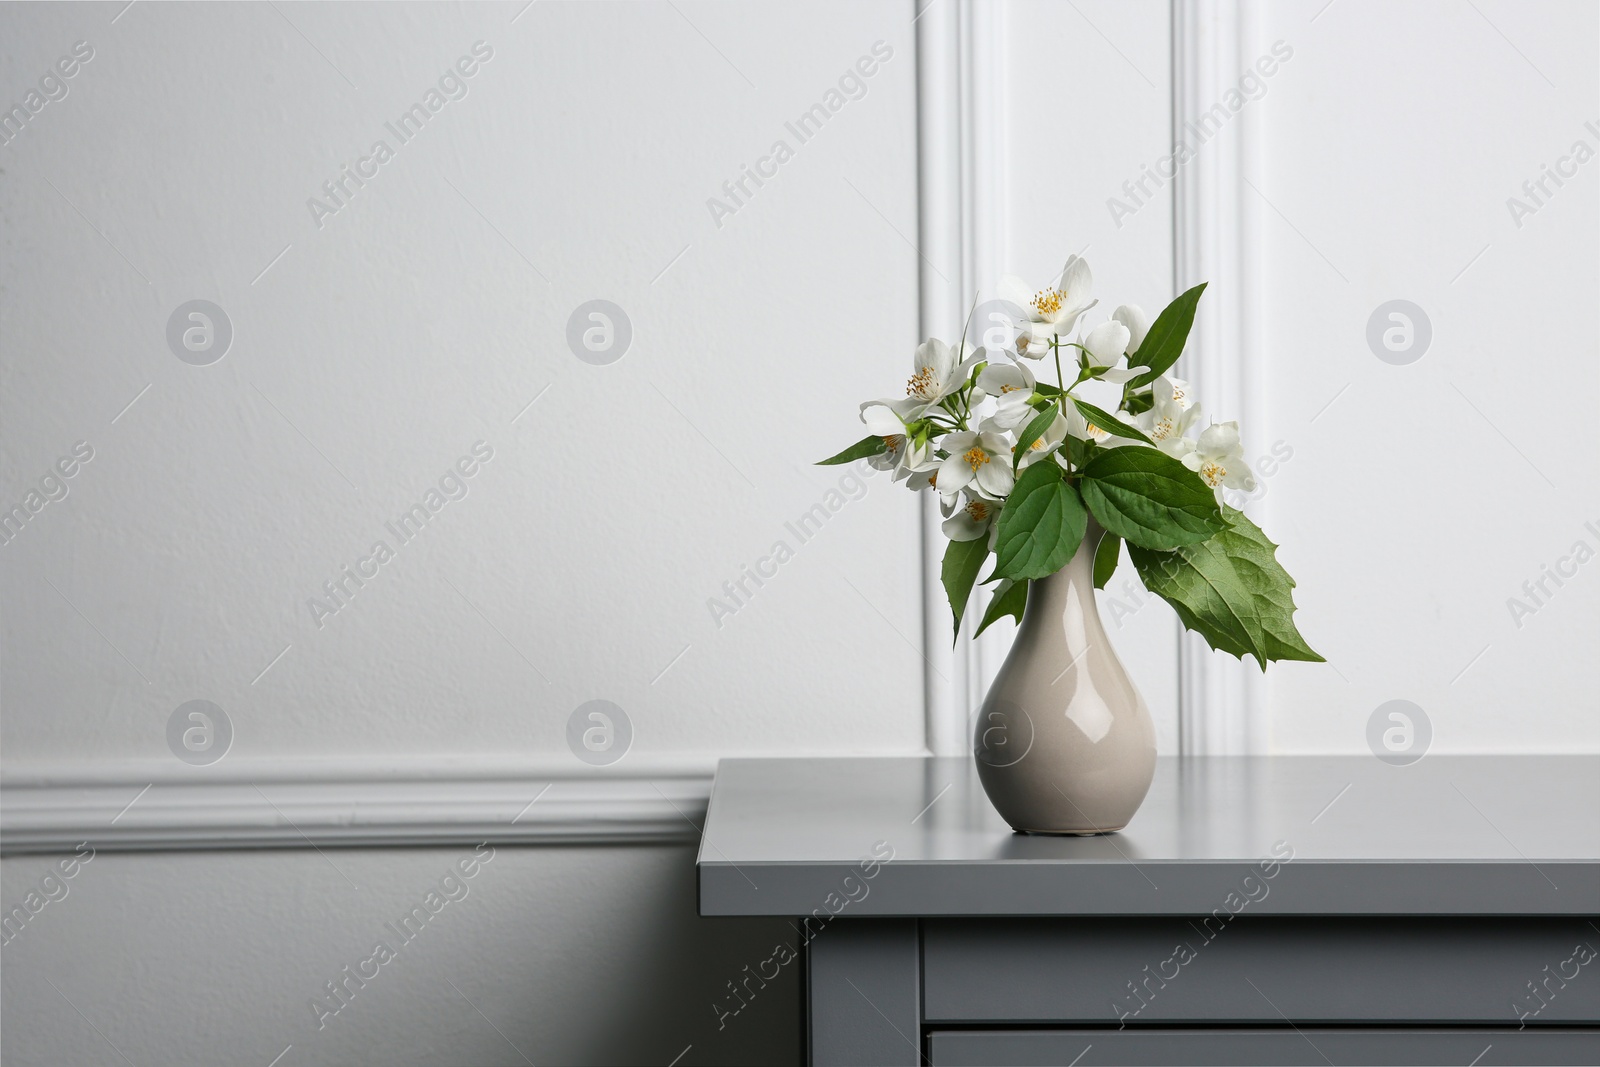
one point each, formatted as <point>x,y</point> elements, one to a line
<point>1064,742</point>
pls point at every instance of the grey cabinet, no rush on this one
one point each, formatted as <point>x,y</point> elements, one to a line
<point>1275,910</point>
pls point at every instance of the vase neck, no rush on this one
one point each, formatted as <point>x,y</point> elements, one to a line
<point>1065,600</point>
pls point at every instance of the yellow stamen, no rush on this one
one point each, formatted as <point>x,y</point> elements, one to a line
<point>975,457</point>
<point>1213,472</point>
<point>921,384</point>
<point>979,510</point>
<point>1048,301</point>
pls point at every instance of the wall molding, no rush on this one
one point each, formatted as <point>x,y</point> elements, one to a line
<point>144,805</point>
<point>960,167</point>
<point>1217,238</point>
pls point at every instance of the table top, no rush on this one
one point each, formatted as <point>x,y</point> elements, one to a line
<point>1336,835</point>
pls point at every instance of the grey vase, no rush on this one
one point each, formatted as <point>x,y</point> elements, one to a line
<point>1064,742</point>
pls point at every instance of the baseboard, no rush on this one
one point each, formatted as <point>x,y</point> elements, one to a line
<point>299,804</point>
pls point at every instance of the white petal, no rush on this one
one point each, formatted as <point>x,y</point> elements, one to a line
<point>1075,424</point>
<point>880,419</point>
<point>1178,448</point>
<point>1106,343</point>
<point>970,522</point>
<point>909,408</point>
<point>998,379</point>
<point>1239,477</point>
<point>1220,439</point>
<point>1138,323</point>
<point>993,442</point>
<point>1119,375</point>
<point>954,473</point>
<point>959,441</point>
<point>1076,281</point>
<point>1034,341</point>
<point>1180,392</point>
<point>935,355</point>
<point>995,478</point>
<point>1066,322</point>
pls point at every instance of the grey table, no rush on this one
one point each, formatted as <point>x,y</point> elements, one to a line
<point>1283,910</point>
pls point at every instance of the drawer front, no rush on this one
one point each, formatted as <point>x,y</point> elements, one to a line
<point>1123,972</point>
<point>1246,1048</point>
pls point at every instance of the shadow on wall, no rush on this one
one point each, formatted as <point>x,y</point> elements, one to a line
<point>541,954</point>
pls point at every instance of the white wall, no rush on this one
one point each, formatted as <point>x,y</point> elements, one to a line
<point>1419,501</point>
<point>423,317</point>
<point>384,344</point>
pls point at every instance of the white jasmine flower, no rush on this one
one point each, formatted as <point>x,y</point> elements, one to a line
<point>982,458</point>
<point>1012,384</point>
<point>974,520</point>
<point>1168,421</point>
<point>1003,379</point>
<point>1180,393</point>
<point>902,456</point>
<point>1219,459</point>
<point>938,371</point>
<point>1052,311</point>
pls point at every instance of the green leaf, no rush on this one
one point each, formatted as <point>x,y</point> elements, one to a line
<point>1139,403</point>
<point>1034,430</point>
<point>1041,524</point>
<point>1109,422</point>
<point>867,446</point>
<point>962,561</point>
<point>1009,599</point>
<point>1149,499</point>
<point>1080,452</point>
<point>1106,556</point>
<point>1231,590</point>
<point>1164,343</point>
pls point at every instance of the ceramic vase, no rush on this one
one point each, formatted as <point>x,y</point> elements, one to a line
<point>1063,741</point>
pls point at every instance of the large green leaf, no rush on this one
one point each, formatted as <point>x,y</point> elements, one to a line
<point>962,561</point>
<point>867,446</point>
<point>1106,556</point>
<point>1231,590</point>
<point>1149,499</point>
<point>1040,526</point>
<point>1164,343</point>
<point>1010,598</point>
<point>1109,422</point>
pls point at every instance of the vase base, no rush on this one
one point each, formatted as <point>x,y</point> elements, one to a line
<point>1072,833</point>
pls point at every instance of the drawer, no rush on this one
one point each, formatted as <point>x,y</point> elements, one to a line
<point>1264,969</point>
<point>1247,1048</point>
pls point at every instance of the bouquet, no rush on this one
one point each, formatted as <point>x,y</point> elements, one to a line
<point>1020,465</point>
